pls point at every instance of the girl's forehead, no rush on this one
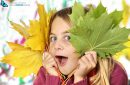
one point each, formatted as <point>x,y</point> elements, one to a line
<point>59,25</point>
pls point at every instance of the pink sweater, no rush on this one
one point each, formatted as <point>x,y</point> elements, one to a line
<point>118,77</point>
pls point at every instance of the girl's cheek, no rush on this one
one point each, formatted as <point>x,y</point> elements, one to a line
<point>51,47</point>
<point>69,45</point>
<point>66,43</point>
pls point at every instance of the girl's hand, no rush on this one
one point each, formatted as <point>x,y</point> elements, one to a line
<point>86,64</point>
<point>49,64</point>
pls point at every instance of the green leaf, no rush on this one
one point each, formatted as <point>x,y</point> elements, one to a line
<point>75,12</point>
<point>117,16</point>
<point>99,10</point>
<point>98,31</point>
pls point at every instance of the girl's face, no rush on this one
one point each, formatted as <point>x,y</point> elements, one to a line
<point>60,47</point>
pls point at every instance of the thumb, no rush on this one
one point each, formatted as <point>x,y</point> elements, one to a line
<point>45,54</point>
<point>55,64</point>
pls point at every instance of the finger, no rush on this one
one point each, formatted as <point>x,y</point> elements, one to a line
<point>45,55</point>
<point>91,60</point>
<point>50,62</point>
<point>53,64</point>
<point>48,57</point>
<point>84,59</point>
<point>94,54</point>
<point>89,56</point>
<point>51,59</point>
<point>56,65</point>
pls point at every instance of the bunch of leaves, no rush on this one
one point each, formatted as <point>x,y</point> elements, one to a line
<point>97,30</point>
<point>27,58</point>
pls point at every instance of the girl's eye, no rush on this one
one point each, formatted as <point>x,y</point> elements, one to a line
<point>67,37</point>
<point>53,39</point>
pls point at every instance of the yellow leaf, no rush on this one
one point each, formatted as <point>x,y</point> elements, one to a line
<point>36,40</point>
<point>14,46</point>
<point>24,24</point>
<point>118,55</point>
<point>22,30</point>
<point>127,44</point>
<point>129,37</point>
<point>36,43</point>
<point>44,21</point>
<point>19,72</point>
<point>42,15</point>
<point>126,13</point>
<point>25,59</point>
<point>34,28</point>
<point>127,53</point>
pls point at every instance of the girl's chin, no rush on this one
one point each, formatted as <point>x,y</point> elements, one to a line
<point>64,71</point>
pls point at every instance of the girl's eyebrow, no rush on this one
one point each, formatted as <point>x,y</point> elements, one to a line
<point>65,32</point>
<point>52,34</point>
<point>62,33</point>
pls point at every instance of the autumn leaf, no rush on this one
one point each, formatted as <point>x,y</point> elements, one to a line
<point>97,31</point>
<point>27,59</point>
<point>24,60</point>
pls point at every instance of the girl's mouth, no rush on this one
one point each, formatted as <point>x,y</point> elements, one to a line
<point>61,60</point>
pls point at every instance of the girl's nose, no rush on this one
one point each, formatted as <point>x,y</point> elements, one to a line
<point>59,45</point>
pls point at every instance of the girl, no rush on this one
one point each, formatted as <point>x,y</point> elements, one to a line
<point>63,66</point>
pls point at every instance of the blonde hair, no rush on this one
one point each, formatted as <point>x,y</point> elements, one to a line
<point>102,76</point>
<point>105,66</point>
